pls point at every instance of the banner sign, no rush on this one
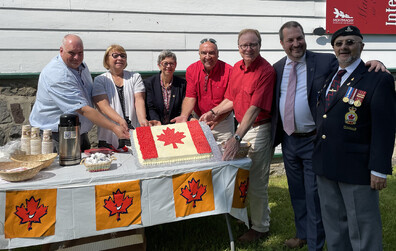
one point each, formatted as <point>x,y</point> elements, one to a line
<point>370,16</point>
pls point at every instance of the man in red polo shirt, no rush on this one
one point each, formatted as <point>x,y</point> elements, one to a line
<point>207,81</point>
<point>249,94</point>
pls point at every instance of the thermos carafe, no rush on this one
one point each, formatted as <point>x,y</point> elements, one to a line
<point>69,140</point>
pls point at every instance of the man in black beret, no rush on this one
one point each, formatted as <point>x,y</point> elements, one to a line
<point>353,146</point>
<point>311,69</point>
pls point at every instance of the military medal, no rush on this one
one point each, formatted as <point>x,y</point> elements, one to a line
<point>351,116</point>
<point>353,95</point>
<point>347,95</point>
<point>359,98</point>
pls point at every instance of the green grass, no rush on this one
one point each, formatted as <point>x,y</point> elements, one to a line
<point>210,233</point>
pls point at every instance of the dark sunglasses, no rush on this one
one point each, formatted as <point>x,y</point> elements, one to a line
<point>116,55</point>
<point>208,40</point>
<point>348,42</point>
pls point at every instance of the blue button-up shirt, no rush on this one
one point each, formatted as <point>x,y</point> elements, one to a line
<point>61,90</point>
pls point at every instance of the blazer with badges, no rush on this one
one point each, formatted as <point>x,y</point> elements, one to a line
<point>155,101</point>
<point>353,137</point>
<point>319,66</point>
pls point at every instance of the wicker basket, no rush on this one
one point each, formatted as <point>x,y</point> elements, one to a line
<point>33,168</point>
<point>47,159</point>
<point>98,167</point>
<point>242,152</point>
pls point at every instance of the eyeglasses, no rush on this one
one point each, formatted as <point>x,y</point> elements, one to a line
<point>166,64</point>
<point>208,40</point>
<point>116,55</point>
<point>245,46</point>
<point>348,42</point>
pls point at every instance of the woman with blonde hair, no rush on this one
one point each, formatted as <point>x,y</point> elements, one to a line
<point>119,94</point>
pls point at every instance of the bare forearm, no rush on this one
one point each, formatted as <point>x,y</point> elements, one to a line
<point>104,107</point>
<point>247,120</point>
<point>140,110</point>
<point>187,106</point>
<point>225,107</point>
<point>96,117</point>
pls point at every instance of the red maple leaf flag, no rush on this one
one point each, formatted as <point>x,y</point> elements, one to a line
<point>118,204</point>
<point>194,192</point>
<point>169,136</point>
<point>241,188</point>
<point>32,213</point>
<point>116,199</point>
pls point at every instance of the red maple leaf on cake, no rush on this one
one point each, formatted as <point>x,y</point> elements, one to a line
<point>32,213</point>
<point>118,204</point>
<point>169,136</point>
<point>194,193</point>
<point>243,189</point>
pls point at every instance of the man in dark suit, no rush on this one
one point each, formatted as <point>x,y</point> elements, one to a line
<point>297,142</point>
<point>353,147</point>
<point>164,91</point>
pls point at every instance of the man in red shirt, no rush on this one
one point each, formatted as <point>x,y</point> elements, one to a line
<point>249,94</point>
<point>207,81</point>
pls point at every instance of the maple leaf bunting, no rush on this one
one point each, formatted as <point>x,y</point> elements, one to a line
<point>30,213</point>
<point>117,205</point>
<point>193,193</point>
<point>241,188</point>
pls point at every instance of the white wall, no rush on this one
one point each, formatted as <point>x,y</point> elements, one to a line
<point>31,31</point>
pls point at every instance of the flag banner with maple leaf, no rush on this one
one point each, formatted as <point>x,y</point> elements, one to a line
<point>193,193</point>
<point>30,213</point>
<point>118,205</point>
<point>241,188</point>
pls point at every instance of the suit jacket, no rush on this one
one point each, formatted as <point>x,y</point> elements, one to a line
<point>155,100</point>
<point>351,141</point>
<point>319,66</point>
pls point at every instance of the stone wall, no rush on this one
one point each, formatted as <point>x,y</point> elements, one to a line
<point>16,100</point>
<point>17,97</point>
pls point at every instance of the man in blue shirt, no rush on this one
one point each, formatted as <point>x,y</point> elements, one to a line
<point>65,86</point>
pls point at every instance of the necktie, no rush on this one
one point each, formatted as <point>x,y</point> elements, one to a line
<point>288,118</point>
<point>335,85</point>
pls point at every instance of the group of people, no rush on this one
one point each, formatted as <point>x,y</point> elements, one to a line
<point>333,115</point>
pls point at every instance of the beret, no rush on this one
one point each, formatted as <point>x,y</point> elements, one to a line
<point>346,31</point>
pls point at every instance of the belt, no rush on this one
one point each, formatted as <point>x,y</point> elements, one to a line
<point>304,134</point>
<point>261,122</point>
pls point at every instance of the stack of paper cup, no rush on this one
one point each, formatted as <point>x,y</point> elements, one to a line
<point>47,146</point>
<point>35,141</point>
<point>25,139</point>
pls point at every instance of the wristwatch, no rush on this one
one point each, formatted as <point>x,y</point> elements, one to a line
<point>237,137</point>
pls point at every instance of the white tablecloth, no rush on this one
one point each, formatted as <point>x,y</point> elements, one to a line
<point>75,217</point>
